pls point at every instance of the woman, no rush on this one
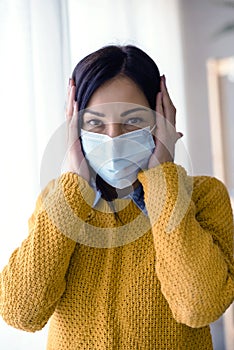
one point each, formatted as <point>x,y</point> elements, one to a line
<point>125,250</point>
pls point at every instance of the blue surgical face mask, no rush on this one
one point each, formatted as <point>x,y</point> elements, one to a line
<point>118,160</point>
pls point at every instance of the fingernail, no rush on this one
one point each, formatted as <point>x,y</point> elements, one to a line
<point>164,79</point>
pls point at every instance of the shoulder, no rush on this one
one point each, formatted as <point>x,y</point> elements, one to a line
<point>204,186</point>
<point>212,199</point>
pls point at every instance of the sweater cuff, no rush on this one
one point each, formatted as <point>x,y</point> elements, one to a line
<point>167,194</point>
<point>74,188</point>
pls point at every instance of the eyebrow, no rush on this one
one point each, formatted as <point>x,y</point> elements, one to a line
<point>123,114</point>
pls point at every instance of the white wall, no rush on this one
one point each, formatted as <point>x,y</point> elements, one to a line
<point>32,96</point>
<point>200,20</point>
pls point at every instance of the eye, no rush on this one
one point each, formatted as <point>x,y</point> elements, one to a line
<point>94,122</point>
<point>134,120</point>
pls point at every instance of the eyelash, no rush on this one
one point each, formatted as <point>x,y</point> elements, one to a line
<point>93,122</point>
<point>139,120</point>
<point>97,122</point>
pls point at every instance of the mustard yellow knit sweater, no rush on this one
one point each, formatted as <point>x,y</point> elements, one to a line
<point>156,285</point>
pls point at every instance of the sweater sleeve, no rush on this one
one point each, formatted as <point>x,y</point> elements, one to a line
<point>35,278</point>
<point>192,227</point>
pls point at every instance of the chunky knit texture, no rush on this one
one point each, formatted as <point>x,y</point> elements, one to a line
<point>160,290</point>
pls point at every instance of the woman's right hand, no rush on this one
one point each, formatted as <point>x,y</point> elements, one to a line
<point>74,161</point>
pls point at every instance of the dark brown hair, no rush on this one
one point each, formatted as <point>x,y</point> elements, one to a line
<point>106,63</point>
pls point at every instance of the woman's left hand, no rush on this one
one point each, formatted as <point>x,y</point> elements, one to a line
<point>165,133</point>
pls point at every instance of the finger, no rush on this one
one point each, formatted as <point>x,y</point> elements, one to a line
<point>180,134</point>
<point>164,89</point>
<point>74,119</point>
<point>68,94</point>
<point>76,106</point>
<point>70,105</point>
<point>163,85</point>
<point>73,126</point>
<point>159,106</point>
<point>168,106</point>
<point>70,84</point>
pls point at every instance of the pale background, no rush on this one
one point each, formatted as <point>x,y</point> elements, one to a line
<point>41,41</point>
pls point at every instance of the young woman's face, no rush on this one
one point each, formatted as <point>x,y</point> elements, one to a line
<point>117,107</point>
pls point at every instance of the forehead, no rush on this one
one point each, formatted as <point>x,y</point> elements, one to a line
<point>118,89</point>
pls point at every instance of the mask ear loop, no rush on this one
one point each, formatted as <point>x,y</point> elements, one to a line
<point>151,130</point>
<point>153,136</point>
<point>155,125</point>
